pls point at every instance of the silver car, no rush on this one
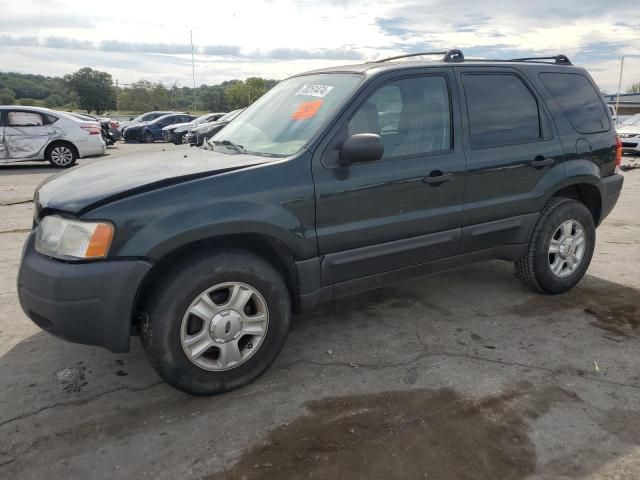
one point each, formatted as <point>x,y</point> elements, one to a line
<point>33,133</point>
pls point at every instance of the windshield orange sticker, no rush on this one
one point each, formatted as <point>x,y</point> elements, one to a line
<point>307,110</point>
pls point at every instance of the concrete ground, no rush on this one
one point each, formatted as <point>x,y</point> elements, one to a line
<point>464,375</point>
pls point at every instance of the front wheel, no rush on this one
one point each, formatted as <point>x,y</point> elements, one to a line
<point>560,248</point>
<point>217,322</point>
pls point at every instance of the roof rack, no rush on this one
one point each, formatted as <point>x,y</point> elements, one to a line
<point>453,55</point>
<point>557,59</point>
<point>456,55</point>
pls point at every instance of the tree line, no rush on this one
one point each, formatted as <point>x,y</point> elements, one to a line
<point>94,91</point>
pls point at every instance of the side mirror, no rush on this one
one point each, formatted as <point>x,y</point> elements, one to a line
<point>131,118</point>
<point>362,147</point>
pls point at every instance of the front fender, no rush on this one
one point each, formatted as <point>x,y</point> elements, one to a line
<point>228,218</point>
<point>272,199</point>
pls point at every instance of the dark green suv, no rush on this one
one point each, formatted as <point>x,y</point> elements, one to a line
<point>334,182</point>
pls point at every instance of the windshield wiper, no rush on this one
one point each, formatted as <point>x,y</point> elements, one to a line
<point>229,144</point>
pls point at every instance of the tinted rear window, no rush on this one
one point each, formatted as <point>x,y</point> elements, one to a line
<point>502,110</point>
<point>579,101</point>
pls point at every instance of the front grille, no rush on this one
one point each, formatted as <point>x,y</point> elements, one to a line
<point>629,145</point>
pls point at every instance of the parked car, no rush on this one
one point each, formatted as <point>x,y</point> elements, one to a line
<point>612,112</point>
<point>629,132</point>
<point>198,134</point>
<point>109,135</point>
<point>33,133</point>
<point>304,199</point>
<point>177,133</point>
<point>147,132</point>
<point>145,117</point>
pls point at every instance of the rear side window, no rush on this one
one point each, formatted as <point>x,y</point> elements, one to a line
<point>579,101</point>
<point>502,111</point>
<point>25,119</point>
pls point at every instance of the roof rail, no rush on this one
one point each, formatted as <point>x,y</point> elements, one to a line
<point>456,55</point>
<point>453,55</point>
<point>557,59</point>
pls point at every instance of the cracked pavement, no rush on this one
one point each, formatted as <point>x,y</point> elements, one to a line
<point>502,382</point>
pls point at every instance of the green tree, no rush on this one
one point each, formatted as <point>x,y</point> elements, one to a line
<point>634,88</point>
<point>7,97</point>
<point>53,101</point>
<point>93,88</point>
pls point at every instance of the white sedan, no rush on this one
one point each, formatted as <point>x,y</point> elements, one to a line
<point>629,132</point>
<point>33,133</point>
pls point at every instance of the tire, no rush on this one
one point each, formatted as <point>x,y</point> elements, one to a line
<point>553,269</point>
<point>178,139</point>
<point>147,137</point>
<point>168,323</point>
<point>61,155</point>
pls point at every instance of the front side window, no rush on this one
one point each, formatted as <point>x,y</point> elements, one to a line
<point>579,101</point>
<point>412,116</point>
<point>25,119</point>
<point>285,118</point>
<point>502,111</point>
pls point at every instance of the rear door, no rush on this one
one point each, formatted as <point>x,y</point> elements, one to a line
<point>26,134</point>
<point>511,147</point>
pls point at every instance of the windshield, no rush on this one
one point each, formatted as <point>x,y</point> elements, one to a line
<point>632,120</point>
<point>285,118</point>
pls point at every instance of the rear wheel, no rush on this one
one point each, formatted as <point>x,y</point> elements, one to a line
<point>217,322</point>
<point>560,248</point>
<point>61,155</point>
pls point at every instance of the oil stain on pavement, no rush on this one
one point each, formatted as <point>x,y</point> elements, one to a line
<point>612,307</point>
<point>435,434</point>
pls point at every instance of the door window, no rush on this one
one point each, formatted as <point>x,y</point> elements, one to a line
<point>412,116</point>
<point>25,119</point>
<point>502,111</point>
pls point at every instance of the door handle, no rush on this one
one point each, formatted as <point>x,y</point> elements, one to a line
<point>540,162</point>
<point>437,178</point>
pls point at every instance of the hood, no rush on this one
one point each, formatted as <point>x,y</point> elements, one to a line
<point>137,125</point>
<point>629,129</point>
<point>174,126</point>
<point>208,126</point>
<point>81,189</point>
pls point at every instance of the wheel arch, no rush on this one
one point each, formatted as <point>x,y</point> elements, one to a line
<point>586,193</point>
<point>52,144</point>
<point>269,248</point>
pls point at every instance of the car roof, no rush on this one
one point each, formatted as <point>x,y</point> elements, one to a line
<point>559,62</point>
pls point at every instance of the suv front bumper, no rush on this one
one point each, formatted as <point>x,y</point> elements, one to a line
<point>88,303</point>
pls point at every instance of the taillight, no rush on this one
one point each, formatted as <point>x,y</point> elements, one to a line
<point>92,129</point>
<point>618,153</point>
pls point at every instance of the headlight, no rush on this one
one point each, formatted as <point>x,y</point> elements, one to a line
<point>68,239</point>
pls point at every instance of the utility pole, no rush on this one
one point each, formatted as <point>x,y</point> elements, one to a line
<point>619,86</point>
<point>193,69</point>
<point>117,98</point>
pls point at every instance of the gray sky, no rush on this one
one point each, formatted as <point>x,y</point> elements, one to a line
<point>275,38</point>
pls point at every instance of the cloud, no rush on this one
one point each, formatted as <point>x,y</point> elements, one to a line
<point>279,37</point>
<point>178,49</point>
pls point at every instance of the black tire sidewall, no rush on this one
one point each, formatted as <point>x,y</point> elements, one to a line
<point>161,332</point>
<point>549,282</point>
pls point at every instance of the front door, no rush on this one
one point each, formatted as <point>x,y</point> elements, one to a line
<point>26,134</point>
<point>406,208</point>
